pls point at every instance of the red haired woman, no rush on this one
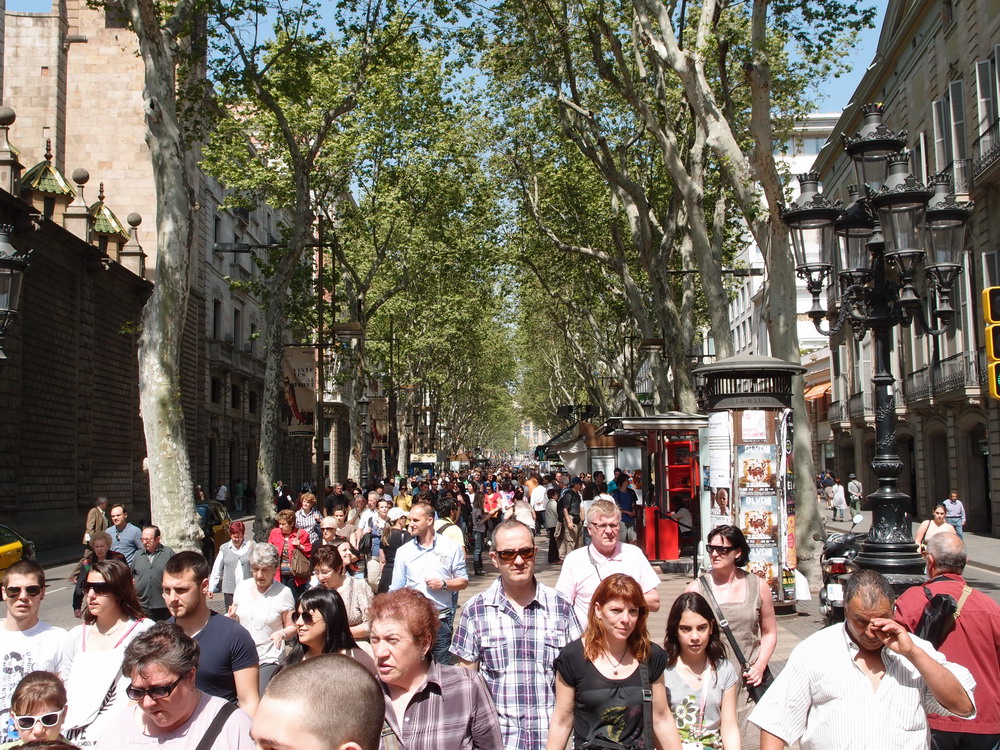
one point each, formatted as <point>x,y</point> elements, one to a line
<point>599,685</point>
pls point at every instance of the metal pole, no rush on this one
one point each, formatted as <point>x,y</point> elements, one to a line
<point>318,421</point>
<point>889,546</point>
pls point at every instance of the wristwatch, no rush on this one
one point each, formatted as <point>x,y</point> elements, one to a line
<point>444,585</point>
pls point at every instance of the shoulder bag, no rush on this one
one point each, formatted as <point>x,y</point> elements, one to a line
<point>215,728</point>
<point>939,615</point>
<point>298,563</point>
<point>602,743</point>
<point>756,692</point>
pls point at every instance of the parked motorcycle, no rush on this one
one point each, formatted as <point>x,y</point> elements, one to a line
<point>837,559</point>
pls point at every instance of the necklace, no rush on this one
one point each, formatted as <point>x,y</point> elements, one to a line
<point>696,675</point>
<point>616,663</point>
<point>109,631</point>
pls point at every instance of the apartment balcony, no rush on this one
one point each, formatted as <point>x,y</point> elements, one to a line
<point>862,406</point>
<point>838,416</point>
<point>960,171</point>
<point>224,355</point>
<point>986,156</point>
<point>956,378</point>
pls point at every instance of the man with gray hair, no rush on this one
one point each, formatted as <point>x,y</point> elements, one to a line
<point>863,683</point>
<point>973,641</point>
<point>166,708</point>
<point>295,715</point>
<point>147,571</point>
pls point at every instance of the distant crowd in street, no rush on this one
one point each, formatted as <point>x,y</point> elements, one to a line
<point>343,631</point>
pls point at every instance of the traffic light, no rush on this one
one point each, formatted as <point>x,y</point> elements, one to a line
<point>991,313</point>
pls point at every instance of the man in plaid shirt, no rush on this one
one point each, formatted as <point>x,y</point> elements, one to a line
<point>512,633</point>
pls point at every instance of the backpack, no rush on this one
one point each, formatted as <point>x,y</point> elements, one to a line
<point>939,616</point>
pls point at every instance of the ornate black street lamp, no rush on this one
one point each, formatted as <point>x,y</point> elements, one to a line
<point>898,253</point>
<point>12,266</point>
<point>363,403</point>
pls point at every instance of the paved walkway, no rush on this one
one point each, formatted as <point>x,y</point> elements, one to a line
<point>983,551</point>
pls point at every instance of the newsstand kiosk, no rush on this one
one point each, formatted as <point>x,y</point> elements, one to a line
<point>750,474</point>
<point>670,471</point>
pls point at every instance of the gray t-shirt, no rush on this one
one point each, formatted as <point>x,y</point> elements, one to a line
<point>685,701</point>
<point>126,732</point>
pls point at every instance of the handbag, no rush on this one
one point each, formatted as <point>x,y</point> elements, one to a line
<point>298,563</point>
<point>756,692</point>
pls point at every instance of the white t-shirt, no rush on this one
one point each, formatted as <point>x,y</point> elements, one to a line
<point>125,731</point>
<point>260,614</point>
<point>39,648</point>
<point>539,498</point>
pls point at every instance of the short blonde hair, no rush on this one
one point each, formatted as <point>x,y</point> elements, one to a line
<point>603,508</point>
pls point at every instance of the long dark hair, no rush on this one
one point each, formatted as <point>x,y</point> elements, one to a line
<point>116,574</point>
<point>692,601</point>
<point>328,604</point>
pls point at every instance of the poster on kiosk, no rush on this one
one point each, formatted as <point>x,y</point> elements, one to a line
<point>749,483</point>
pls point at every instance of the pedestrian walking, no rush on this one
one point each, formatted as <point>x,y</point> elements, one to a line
<point>855,493</point>
<point>955,512</point>
<point>973,641</point>
<point>839,501</point>
<point>147,571</point>
<point>936,524</point>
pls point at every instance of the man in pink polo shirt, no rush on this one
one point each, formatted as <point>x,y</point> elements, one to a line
<point>585,568</point>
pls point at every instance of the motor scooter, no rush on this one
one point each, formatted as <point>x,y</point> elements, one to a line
<point>837,560</point>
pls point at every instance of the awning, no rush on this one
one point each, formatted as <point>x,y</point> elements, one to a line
<point>817,391</point>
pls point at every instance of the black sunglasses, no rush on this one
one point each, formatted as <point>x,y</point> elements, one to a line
<point>26,722</point>
<point>157,692</point>
<point>305,617</point>
<point>15,591</point>
<point>101,588</point>
<point>719,549</point>
<point>510,555</point>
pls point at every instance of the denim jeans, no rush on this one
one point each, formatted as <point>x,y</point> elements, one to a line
<point>957,523</point>
<point>441,650</point>
<point>477,548</point>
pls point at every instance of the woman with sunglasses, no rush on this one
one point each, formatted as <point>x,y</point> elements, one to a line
<point>112,618</point>
<point>38,708</point>
<point>599,681</point>
<point>745,601</point>
<point>321,623</point>
<point>355,593</point>
<point>701,683</point>
<point>447,707</point>
<point>100,543</point>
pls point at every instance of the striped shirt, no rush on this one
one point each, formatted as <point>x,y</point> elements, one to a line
<point>516,653</point>
<point>451,710</point>
<point>824,700</point>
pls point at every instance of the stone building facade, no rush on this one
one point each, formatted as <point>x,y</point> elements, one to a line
<point>61,70</point>
<point>935,71</point>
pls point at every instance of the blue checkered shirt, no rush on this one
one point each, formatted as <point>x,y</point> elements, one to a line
<point>516,655</point>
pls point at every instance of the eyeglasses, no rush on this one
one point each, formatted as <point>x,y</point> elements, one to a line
<point>605,526</point>
<point>510,555</point>
<point>13,592</point>
<point>101,588</point>
<point>328,528</point>
<point>305,617</point>
<point>157,692</point>
<point>24,723</point>
<point>718,549</point>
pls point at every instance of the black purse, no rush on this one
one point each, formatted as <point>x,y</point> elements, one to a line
<point>756,692</point>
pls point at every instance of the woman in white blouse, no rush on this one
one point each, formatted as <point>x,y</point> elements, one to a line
<point>264,607</point>
<point>94,651</point>
<point>232,564</point>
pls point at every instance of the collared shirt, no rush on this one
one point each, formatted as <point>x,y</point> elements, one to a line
<point>147,568</point>
<point>516,652</point>
<point>585,568</point>
<point>451,710</point>
<point>974,642</point>
<point>414,564</point>
<point>824,700</point>
<point>128,541</point>
<point>954,510</point>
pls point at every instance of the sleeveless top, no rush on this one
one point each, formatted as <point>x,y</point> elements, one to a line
<point>744,621</point>
<point>231,560</point>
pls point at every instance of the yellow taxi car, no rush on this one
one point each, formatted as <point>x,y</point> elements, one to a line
<point>215,521</point>
<point>14,547</point>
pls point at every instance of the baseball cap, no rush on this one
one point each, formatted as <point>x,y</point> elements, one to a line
<point>576,480</point>
<point>396,513</point>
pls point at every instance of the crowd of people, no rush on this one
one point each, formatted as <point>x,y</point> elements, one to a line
<point>343,631</point>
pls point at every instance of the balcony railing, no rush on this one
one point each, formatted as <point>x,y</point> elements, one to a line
<point>986,149</point>
<point>838,412</point>
<point>862,405</point>
<point>965,370</point>
<point>960,171</point>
